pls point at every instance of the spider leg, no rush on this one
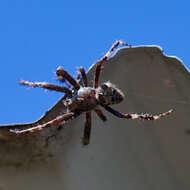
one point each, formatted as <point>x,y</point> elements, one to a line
<point>63,80</point>
<point>66,82</point>
<point>62,119</point>
<point>103,59</point>
<point>62,75</point>
<point>47,86</point>
<point>100,114</point>
<point>81,72</point>
<point>87,129</point>
<point>144,116</point>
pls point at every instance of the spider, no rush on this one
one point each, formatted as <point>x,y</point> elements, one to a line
<point>83,99</point>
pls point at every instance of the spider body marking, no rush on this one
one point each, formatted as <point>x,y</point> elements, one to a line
<point>82,99</point>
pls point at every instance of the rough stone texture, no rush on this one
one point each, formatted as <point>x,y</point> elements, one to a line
<point>123,154</point>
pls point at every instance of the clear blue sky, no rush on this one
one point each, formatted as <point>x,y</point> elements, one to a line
<point>37,36</point>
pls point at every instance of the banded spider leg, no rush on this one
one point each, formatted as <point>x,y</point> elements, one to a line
<point>63,74</point>
<point>144,116</point>
<point>61,118</point>
<point>88,122</point>
<point>104,58</point>
<point>58,120</point>
<point>48,86</point>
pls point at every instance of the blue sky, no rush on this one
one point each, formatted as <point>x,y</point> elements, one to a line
<point>37,36</point>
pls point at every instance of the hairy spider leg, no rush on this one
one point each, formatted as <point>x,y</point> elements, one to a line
<point>144,116</point>
<point>62,119</point>
<point>100,114</point>
<point>87,129</point>
<point>81,72</point>
<point>87,126</point>
<point>78,75</point>
<point>103,59</point>
<point>63,80</point>
<point>62,74</point>
<point>47,86</point>
<point>66,82</point>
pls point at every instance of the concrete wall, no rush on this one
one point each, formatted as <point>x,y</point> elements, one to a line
<point>123,154</point>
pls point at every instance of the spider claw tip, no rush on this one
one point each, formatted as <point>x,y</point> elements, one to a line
<point>14,130</point>
<point>21,81</point>
<point>172,110</point>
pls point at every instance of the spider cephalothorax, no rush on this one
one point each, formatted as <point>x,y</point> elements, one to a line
<point>82,99</point>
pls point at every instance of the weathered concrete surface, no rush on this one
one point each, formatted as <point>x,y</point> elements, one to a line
<point>123,154</point>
